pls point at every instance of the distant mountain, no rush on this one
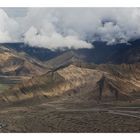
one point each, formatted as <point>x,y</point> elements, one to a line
<point>42,54</point>
<point>100,54</point>
<point>65,59</point>
<point>113,54</point>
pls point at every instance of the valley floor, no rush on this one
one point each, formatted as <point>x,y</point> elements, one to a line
<point>58,117</point>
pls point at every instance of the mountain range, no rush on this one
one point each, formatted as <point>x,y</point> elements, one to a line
<point>100,74</point>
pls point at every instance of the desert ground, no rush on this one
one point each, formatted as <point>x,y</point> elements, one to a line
<point>58,116</point>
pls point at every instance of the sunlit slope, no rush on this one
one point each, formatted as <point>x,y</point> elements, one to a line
<point>16,64</point>
<point>73,81</point>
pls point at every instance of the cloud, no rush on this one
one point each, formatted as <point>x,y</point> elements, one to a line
<point>8,28</point>
<point>44,31</point>
<point>114,25</point>
<point>72,27</point>
<point>53,41</point>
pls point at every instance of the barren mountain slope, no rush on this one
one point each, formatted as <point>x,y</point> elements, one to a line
<point>64,59</point>
<point>77,83</point>
<point>14,64</point>
<point>129,73</point>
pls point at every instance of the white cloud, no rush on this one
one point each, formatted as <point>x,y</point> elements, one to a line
<point>8,28</point>
<point>71,27</point>
<point>107,24</point>
<point>54,40</point>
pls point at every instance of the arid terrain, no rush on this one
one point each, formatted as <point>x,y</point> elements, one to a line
<point>69,117</point>
<point>69,69</point>
<point>68,93</point>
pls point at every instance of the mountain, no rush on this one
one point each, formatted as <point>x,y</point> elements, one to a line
<point>112,54</point>
<point>100,54</point>
<point>65,59</point>
<point>79,84</point>
<point>42,54</point>
<point>104,73</point>
<point>13,63</point>
<point>16,67</point>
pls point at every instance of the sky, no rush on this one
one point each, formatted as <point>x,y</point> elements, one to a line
<point>69,27</point>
